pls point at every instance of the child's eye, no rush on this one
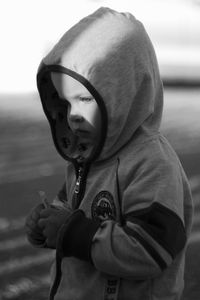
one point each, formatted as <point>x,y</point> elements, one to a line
<point>86,99</point>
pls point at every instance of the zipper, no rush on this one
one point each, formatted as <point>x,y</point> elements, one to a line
<point>78,190</point>
<point>77,197</point>
<point>78,181</point>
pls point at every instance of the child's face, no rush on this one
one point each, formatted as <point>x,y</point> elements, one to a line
<point>83,114</point>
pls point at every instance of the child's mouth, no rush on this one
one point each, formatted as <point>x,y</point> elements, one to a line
<point>82,133</point>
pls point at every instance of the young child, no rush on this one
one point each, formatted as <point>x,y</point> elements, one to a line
<point>121,222</point>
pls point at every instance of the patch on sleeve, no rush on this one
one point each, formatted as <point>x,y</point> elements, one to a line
<point>103,207</point>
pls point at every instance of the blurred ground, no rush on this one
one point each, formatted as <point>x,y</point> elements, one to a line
<point>29,162</point>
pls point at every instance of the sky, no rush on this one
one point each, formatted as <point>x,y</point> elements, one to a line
<point>28,30</point>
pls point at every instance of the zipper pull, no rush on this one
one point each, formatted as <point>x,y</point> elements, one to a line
<point>78,181</point>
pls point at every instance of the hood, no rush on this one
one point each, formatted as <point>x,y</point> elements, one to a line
<point>111,54</point>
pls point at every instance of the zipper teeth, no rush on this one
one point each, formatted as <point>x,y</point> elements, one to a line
<point>78,181</point>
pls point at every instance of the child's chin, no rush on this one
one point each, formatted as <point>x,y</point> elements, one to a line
<point>87,138</point>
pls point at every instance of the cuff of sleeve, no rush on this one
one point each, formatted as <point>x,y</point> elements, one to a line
<point>76,235</point>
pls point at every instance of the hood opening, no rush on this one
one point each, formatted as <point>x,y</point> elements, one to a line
<point>55,110</point>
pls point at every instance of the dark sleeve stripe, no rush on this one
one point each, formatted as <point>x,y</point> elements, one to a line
<point>163,225</point>
<point>147,247</point>
<point>76,236</point>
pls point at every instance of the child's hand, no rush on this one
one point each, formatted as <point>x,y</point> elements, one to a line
<point>33,231</point>
<point>51,220</point>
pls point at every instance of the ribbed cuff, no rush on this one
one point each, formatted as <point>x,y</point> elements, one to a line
<point>76,235</point>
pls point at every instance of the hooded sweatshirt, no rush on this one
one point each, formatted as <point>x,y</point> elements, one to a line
<point>130,199</point>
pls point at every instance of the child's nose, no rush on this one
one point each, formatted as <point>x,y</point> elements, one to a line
<point>75,118</point>
<point>74,115</point>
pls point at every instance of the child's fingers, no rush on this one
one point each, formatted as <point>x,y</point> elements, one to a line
<point>46,212</point>
<point>35,238</point>
<point>43,198</point>
<point>42,223</point>
<point>30,223</point>
<point>35,230</point>
<point>36,211</point>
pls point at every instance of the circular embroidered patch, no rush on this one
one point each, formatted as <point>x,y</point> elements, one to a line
<point>103,207</point>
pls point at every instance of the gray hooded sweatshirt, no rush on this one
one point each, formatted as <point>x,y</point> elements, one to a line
<point>130,199</point>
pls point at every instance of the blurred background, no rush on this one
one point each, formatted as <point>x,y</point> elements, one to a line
<point>28,160</point>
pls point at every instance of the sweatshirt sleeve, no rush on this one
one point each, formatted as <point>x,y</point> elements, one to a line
<point>151,235</point>
<point>153,231</point>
